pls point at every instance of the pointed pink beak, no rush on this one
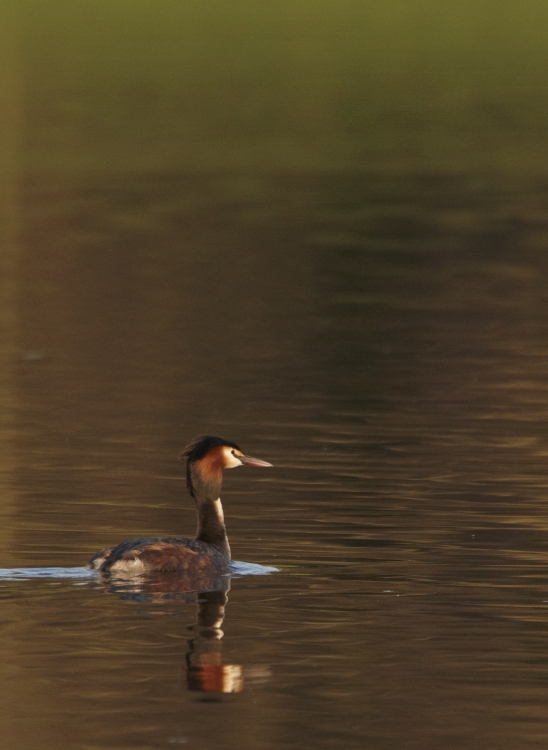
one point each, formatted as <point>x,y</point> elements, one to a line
<point>249,461</point>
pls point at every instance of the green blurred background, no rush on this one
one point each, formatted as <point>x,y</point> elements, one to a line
<point>283,85</point>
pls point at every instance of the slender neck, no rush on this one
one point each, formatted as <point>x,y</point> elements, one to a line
<point>211,526</point>
<point>211,522</point>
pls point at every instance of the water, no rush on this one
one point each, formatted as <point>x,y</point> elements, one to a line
<point>315,247</point>
<point>382,343</point>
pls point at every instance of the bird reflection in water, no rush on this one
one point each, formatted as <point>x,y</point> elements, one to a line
<point>205,669</point>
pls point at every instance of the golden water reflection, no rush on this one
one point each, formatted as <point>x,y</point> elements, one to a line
<point>204,662</point>
<point>205,670</point>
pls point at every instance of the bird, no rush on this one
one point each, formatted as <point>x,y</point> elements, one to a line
<point>209,552</point>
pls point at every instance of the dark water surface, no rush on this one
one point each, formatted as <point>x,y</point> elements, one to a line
<point>383,342</point>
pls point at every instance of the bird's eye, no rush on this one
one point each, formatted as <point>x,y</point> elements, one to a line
<point>233,453</point>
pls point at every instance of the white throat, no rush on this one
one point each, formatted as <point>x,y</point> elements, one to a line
<point>219,510</point>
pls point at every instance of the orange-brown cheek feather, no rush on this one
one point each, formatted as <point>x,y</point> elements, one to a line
<point>211,466</point>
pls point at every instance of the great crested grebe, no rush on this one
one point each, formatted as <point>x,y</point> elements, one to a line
<point>207,457</point>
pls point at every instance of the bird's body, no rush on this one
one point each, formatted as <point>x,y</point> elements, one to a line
<point>209,552</point>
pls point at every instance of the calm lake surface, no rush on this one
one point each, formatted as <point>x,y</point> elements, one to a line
<point>383,343</point>
<point>272,237</point>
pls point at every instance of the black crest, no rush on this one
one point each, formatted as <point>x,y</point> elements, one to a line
<point>200,447</point>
